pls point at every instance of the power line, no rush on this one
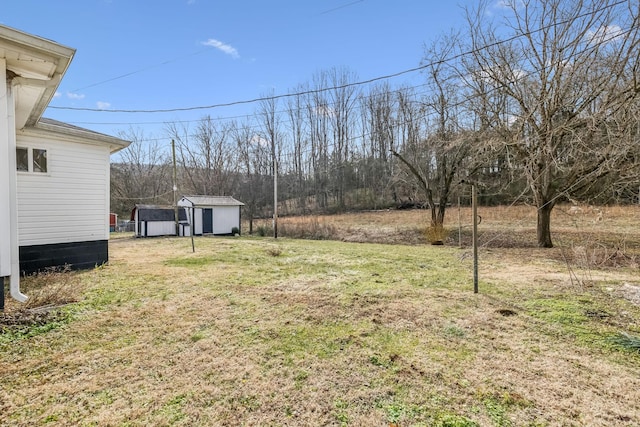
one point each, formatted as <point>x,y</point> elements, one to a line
<point>250,101</point>
<point>341,7</point>
<point>319,90</point>
<point>423,114</point>
<point>139,71</point>
<point>359,83</point>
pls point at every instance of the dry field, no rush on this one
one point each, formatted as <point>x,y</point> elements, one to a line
<point>261,332</point>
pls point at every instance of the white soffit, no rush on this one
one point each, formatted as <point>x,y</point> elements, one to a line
<point>39,65</point>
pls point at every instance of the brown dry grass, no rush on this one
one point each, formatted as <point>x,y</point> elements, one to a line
<point>499,226</point>
<point>260,332</point>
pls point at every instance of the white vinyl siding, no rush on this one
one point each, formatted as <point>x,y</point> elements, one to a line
<point>160,228</point>
<point>225,218</point>
<point>68,203</point>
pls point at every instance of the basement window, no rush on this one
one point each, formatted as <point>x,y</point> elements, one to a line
<point>31,160</point>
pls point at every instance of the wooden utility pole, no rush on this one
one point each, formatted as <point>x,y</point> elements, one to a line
<point>474,209</point>
<point>275,192</point>
<point>191,226</point>
<point>459,224</point>
<point>175,188</point>
<point>474,202</point>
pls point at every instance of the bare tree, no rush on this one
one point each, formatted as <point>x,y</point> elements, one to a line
<point>298,130</point>
<point>550,91</point>
<point>270,123</point>
<point>437,160</point>
<point>254,162</point>
<point>206,156</point>
<point>143,174</point>
<point>381,121</point>
<point>342,102</point>
<point>318,112</point>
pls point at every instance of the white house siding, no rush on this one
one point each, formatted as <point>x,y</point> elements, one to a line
<point>69,203</point>
<point>225,218</point>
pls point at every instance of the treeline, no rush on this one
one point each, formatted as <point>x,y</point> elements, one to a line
<point>547,114</point>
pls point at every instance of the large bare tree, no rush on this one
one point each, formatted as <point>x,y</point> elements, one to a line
<point>444,146</point>
<point>551,89</point>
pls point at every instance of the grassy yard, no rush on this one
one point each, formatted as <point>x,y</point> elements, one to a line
<point>261,332</point>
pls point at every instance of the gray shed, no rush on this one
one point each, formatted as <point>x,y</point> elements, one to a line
<point>152,220</point>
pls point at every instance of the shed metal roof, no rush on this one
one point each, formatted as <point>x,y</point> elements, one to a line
<point>213,201</point>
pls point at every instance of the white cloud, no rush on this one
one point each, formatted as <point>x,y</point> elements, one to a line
<point>57,95</point>
<point>325,110</point>
<point>228,49</point>
<point>605,34</point>
<point>258,140</point>
<point>76,96</point>
<point>103,105</point>
<point>508,4</point>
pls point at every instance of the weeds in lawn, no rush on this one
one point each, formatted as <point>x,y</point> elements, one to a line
<point>584,258</point>
<point>26,323</point>
<point>340,412</point>
<point>48,291</point>
<point>52,287</point>
<point>311,228</point>
<point>627,341</point>
<point>448,420</point>
<point>274,251</point>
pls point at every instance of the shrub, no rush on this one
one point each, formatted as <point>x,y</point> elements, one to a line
<point>51,287</point>
<point>263,231</point>
<point>436,234</point>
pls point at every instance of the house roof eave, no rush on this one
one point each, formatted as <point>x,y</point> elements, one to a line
<point>47,126</point>
<point>38,65</point>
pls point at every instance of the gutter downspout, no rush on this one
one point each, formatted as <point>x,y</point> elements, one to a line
<point>14,281</point>
<point>9,113</point>
<point>9,249</point>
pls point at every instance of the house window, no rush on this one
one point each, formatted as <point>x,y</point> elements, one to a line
<point>22,159</point>
<point>31,160</point>
<point>39,160</point>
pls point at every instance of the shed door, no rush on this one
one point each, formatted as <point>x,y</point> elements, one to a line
<point>207,221</point>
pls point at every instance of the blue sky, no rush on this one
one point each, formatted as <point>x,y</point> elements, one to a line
<point>150,55</point>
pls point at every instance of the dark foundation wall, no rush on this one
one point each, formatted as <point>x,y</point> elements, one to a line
<point>77,255</point>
